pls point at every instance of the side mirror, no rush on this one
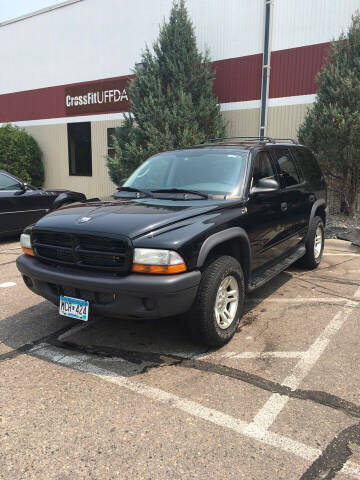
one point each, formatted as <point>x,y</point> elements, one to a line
<point>122,181</point>
<point>265,185</point>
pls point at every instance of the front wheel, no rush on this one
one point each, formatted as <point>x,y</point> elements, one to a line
<point>217,309</point>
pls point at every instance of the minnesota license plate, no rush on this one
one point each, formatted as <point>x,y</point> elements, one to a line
<point>74,308</point>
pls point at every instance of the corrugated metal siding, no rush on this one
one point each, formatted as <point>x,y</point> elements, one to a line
<point>293,71</point>
<point>52,140</point>
<point>242,122</point>
<point>284,121</point>
<point>229,28</point>
<point>305,22</point>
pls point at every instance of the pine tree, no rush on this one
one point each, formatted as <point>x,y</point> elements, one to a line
<point>332,126</point>
<point>171,97</point>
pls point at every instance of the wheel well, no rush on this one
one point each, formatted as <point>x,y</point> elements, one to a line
<point>320,212</point>
<point>235,247</point>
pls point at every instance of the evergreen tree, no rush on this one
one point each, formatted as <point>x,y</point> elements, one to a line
<point>332,126</point>
<point>171,97</point>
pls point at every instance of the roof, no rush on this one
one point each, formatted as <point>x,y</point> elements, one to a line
<point>39,12</point>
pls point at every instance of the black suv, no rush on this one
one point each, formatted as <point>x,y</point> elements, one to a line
<point>191,230</point>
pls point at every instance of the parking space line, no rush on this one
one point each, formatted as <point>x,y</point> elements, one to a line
<point>352,303</point>
<point>251,355</point>
<point>341,254</point>
<point>7,284</point>
<point>268,413</point>
<point>74,329</point>
<point>195,409</point>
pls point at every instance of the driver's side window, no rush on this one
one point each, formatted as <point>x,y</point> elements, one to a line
<point>263,168</point>
<point>8,183</point>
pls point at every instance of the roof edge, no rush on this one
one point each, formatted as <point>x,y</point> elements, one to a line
<point>39,12</point>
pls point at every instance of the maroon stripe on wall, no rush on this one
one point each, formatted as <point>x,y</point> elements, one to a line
<point>41,103</point>
<point>293,70</point>
<point>236,80</point>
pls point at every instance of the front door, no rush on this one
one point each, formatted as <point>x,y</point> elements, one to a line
<point>19,207</point>
<point>265,214</point>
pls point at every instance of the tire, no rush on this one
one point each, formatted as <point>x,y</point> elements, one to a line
<point>204,322</point>
<point>313,255</point>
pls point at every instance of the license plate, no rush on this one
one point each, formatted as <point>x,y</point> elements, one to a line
<point>74,308</point>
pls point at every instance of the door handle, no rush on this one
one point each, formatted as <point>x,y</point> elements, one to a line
<point>283,206</point>
<point>311,198</point>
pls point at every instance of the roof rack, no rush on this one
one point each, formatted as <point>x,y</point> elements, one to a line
<point>295,142</point>
<point>251,139</point>
<point>254,139</point>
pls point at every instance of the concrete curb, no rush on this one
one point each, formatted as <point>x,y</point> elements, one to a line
<point>343,245</point>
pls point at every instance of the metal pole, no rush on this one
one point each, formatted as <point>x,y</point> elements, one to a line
<point>265,69</point>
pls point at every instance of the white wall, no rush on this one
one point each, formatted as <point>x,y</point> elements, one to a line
<point>305,22</point>
<point>94,39</point>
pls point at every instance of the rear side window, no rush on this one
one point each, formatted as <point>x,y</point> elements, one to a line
<point>308,164</point>
<point>287,168</point>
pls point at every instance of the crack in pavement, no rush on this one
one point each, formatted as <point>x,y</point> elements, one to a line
<point>335,455</point>
<point>26,347</point>
<point>159,359</point>
<point>7,263</point>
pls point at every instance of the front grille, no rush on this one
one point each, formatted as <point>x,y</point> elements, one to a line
<point>83,251</point>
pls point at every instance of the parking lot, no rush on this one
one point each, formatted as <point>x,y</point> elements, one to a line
<point>114,399</point>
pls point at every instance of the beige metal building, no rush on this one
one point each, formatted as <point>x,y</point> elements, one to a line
<point>65,71</point>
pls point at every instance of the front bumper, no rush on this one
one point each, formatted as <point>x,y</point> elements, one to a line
<point>132,296</point>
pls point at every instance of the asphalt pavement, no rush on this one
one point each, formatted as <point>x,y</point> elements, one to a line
<point>113,399</point>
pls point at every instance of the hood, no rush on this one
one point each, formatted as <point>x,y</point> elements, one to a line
<point>133,218</point>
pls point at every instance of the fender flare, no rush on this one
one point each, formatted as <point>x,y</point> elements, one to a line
<point>319,203</point>
<point>67,197</point>
<point>221,237</point>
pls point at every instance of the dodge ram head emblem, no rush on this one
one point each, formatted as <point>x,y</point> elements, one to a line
<point>85,219</point>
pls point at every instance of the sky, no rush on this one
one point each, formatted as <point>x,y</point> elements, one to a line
<point>15,8</point>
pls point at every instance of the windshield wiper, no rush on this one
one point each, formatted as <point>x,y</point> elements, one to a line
<point>180,190</point>
<point>136,190</point>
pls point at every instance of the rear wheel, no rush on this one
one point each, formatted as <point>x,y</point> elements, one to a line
<point>216,312</point>
<point>314,245</point>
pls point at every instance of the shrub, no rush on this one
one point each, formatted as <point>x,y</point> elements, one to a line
<point>21,155</point>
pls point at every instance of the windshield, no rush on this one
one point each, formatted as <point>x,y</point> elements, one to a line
<point>208,170</point>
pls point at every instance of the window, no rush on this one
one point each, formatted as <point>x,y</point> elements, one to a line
<point>287,168</point>
<point>110,142</point>
<point>79,144</point>
<point>213,171</point>
<point>262,168</point>
<point>307,163</point>
<point>8,183</point>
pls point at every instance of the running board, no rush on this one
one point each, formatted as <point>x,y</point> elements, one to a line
<point>261,278</point>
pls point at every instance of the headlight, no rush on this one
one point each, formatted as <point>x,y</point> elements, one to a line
<point>150,260</point>
<point>25,242</point>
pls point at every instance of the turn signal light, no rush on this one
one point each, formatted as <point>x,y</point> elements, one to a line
<point>28,251</point>
<point>159,269</point>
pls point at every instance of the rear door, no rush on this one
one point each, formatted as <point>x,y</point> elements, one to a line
<point>265,216</point>
<point>295,197</point>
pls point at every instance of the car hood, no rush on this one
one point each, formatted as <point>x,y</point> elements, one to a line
<point>133,218</point>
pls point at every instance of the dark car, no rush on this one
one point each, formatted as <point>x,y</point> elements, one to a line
<point>21,204</point>
<point>191,230</point>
